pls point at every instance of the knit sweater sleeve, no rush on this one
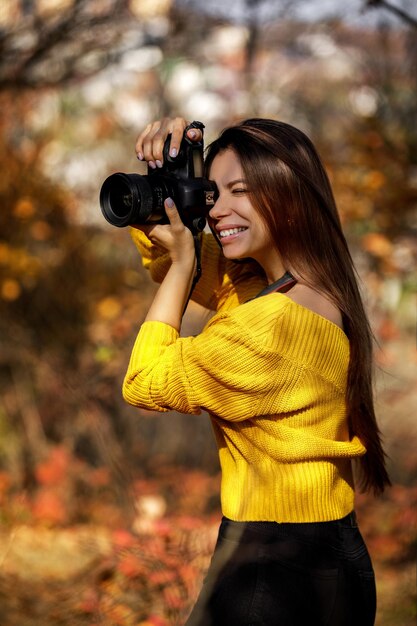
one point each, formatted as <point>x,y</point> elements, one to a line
<point>226,370</point>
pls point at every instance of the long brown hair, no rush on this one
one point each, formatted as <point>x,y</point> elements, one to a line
<point>290,189</point>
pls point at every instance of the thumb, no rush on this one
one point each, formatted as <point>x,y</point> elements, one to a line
<point>195,134</point>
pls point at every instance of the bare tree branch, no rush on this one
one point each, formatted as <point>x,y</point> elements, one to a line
<point>401,13</point>
<point>43,50</point>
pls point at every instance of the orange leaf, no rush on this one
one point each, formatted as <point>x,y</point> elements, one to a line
<point>49,507</point>
<point>131,567</point>
<point>55,468</point>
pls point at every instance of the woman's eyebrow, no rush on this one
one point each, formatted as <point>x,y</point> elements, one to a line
<point>234,182</point>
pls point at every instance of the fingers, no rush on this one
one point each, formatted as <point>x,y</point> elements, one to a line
<point>156,232</point>
<point>150,143</point>
<point>177,133</point>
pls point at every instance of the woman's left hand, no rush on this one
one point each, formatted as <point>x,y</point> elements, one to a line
<point>175,237</point>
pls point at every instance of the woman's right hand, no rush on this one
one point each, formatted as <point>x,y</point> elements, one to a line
<point>150,143</point>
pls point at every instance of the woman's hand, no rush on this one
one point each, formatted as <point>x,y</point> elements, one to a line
<point>150,143</point>
<point>171,297</point>
<point>175,237</point>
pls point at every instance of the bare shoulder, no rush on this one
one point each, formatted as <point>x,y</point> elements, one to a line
<point>317,302</point>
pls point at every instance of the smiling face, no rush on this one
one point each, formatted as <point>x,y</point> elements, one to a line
<point>239,227</point>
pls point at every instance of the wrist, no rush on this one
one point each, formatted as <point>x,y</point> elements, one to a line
<point>185,266</point>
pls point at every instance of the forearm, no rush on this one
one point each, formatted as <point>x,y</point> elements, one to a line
<point>171,297</point>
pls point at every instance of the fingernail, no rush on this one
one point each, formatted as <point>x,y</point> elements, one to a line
<point>152,164</point>
<point>169,202</point>
<point>192,133</point>
<point>158,163</point>
<point>173,152</point>
<point>140,156</point>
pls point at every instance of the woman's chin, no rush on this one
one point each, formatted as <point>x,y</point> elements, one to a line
<point>233,256</point>
<point>236,257</point>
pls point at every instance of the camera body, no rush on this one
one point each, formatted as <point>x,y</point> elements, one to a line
<point>128,199</point>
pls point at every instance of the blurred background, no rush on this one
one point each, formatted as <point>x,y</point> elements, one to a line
<point>108,515</point>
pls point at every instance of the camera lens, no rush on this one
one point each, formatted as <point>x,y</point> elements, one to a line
<point>126,199</point>
<point>121,198</point>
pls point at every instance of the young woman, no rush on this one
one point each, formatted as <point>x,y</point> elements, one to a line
<point>283,368</point>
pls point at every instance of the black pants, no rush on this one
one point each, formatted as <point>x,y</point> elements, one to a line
<point>269,574</point>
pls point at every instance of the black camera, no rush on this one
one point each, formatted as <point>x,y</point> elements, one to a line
<point>127,199</point>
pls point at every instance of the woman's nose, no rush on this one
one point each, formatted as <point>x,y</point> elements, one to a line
<point>219,209</point>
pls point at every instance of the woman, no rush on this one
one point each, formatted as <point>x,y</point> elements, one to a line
<point>284,370</point>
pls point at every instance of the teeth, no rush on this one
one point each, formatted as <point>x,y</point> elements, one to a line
<point>231,231</point>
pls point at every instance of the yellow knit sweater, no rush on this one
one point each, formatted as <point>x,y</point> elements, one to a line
<point>272,376</point>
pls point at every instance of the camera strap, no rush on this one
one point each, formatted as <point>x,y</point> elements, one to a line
<point>197,275</point>
<point>282,285</point>
<point>197,247</point>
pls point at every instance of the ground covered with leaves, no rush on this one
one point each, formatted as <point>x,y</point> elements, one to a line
<point>149,574</point>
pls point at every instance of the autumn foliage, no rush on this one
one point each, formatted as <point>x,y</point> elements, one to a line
<point>108,514</point>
